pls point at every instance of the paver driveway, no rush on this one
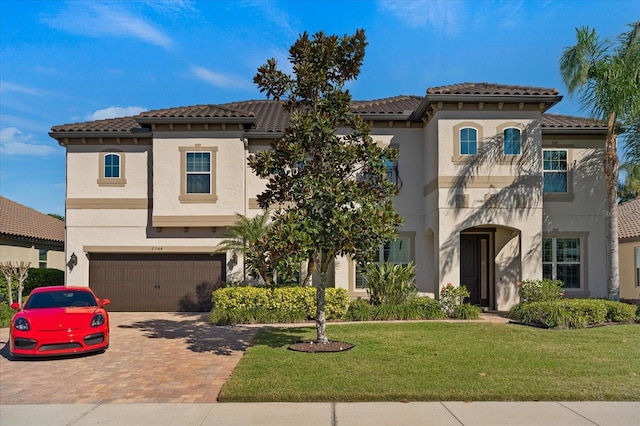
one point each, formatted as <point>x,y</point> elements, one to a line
<point>152,357</point>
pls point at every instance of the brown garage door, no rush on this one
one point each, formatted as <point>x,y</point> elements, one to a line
<point>156,282</point>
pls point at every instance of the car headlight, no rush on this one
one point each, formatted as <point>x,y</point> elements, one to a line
<point>97,320</point>
<point>21,324</point>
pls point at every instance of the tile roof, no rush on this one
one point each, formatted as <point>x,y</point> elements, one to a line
<point>197,111</point>
<point>394,105</point>
<point>629,219</point>
<point>490,89</point>
<point>270,117</point>
<point>558,121</point>
<point>23,222</point>
<point>122,124</point>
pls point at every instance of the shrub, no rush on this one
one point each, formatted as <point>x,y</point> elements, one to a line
<point>389,283</point>
<point>247,305</point>
<point>451,297</point>
<point>5,314</point>
<point>359,310</point>
<point>540,290</point>
<point>571,313</point>
<point>429,308</point>
<point>403,311</point>
<point>467,311</point>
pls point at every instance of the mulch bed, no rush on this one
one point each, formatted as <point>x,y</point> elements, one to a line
<point>313,346</point>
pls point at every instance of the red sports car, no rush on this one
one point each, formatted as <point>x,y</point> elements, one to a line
<point>58,321</point>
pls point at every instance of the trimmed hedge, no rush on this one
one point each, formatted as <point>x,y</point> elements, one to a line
<point>248,305</point>
<point>38,277</point>
<point>572,313</point>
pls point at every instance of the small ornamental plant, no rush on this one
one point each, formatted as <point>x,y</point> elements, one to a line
<point>540,290</point>
<point>451,297</point>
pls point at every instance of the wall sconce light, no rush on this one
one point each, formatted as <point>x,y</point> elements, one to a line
<point>73,261</point>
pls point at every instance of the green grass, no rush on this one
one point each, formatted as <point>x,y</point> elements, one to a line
<point>438,361</point>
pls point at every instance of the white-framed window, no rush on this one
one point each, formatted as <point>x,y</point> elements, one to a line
<point>555,171</point>
<point>637,256</point>
<point>562,260</point>
<point>112,165</point>
<point>468,141</point>
<point>512,141</point>
<point>397,251</point>
<point>112,169</point>
<point>198,169</point>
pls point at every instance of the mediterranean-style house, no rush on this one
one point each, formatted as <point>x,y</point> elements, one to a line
<point>492,188</point>
<point>629,249</point>
<point>26,235</point>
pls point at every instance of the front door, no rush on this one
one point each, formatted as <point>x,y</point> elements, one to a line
<point>474,271</point>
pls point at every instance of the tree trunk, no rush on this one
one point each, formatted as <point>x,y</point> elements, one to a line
<point>321,322</point>
<point>312,265</point>
<point>7,271</point>
<point>611,213</point>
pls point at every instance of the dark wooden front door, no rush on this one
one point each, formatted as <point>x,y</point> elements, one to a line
<point>470,266</point>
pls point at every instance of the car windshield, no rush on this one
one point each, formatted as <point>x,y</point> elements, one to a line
<point>60,299</point>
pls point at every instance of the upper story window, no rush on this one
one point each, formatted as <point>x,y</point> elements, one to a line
<point>468,141</point>
<point>555,178</point>
<point>112,166</point>
<point>112,169</point>
<point>198,174</point>
<point>637,255</point>
<point>512,141</point>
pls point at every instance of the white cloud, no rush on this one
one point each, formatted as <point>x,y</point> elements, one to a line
<point>5,86</point>
<point>216,79</point>
<point>14,142</point>
<point>115,111</point>
<point>445,16</point>
<point>107,19</point>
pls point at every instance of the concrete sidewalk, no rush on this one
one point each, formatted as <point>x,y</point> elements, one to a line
<point>328,414</point>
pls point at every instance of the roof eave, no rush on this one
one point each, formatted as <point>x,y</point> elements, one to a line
<point>384,116</point>
<point>70,134</point>
<point>574,130</point>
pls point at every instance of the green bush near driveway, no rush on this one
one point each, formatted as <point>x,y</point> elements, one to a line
<point>248,305</point>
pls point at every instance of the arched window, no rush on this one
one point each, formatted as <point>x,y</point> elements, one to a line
<point>112,166</point>
<point>512,141</point>
<point>468,141</point>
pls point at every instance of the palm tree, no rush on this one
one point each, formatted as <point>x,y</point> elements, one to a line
<point>606,77</point>
<point>244,237</point>
<point>629,189</point>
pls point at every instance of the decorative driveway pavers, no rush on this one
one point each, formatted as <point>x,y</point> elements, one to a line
<point>153,358</point>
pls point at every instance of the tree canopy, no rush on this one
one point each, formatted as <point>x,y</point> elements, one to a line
<point>326,173</point>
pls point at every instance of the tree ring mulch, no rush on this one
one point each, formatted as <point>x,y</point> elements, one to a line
<point>312,346</point>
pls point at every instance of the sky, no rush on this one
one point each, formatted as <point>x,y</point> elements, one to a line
<point>73,61</point>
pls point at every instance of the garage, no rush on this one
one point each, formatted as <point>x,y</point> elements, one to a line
<point>140,282</point>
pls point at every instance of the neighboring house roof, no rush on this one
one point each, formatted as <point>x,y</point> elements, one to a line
<point>24,223</point>
<point>268,117</point>
<point>629,219</point>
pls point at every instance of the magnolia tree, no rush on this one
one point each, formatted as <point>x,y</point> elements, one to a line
<point>326,173</point>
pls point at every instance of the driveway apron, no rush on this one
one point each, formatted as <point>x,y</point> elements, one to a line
<point>152,358</point>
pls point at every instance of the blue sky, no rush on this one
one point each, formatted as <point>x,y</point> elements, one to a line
<point>73,61</point>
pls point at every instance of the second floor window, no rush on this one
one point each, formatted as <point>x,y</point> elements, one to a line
<point>198,172</point>
<point>468,141</point>
<point>554,170</point>
<point>112,166</point>
<point>512,141</point>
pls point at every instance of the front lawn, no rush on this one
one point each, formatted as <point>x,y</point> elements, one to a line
<point>440,361</point>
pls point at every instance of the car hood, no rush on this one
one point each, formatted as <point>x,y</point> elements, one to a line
<point>56,319</point>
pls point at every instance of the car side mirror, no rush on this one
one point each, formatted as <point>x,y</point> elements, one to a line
<point>15,305</point>
<point>105,302</point>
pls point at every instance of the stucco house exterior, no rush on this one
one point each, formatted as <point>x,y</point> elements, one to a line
<point>629,248</point>
<point>26,235</point>
<point>493,189</point>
